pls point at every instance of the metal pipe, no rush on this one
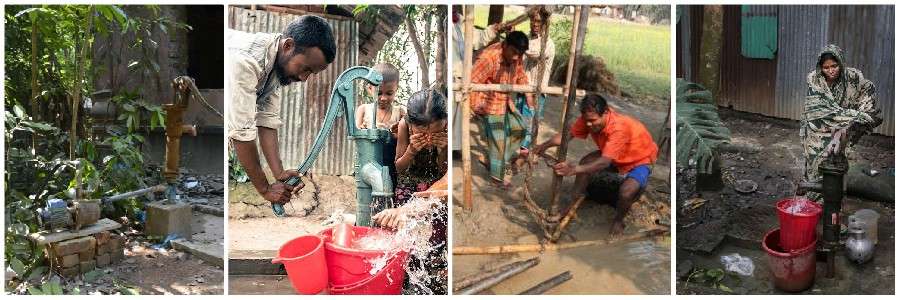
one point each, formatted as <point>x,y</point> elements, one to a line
<point>833,170</point>
<point>153,189</point>
<point>490,282</point>
<point>548,284</point>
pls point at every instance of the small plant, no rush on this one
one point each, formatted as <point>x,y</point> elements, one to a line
<point>698,127</point>
<point>712,277</point>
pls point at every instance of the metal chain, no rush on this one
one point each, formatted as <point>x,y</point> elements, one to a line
<point>195,93</point>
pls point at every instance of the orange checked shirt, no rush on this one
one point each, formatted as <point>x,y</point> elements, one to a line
<point>491,69</point>
<point>624,140</point>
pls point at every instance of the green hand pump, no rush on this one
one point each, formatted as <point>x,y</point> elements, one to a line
<point>372,176</point>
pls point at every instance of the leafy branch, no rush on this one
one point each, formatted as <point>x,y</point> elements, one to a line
<point>698,127</point>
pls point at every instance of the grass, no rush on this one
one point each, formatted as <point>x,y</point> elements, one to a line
<point>637,54</point>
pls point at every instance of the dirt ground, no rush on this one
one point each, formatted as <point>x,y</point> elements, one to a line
<point>148,270</point>
<point>499,218</point>
<point>730,222</point>
<point>253,227</point>
<point>251,221</point>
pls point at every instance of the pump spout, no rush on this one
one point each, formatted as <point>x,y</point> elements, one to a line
<point>378,177</point>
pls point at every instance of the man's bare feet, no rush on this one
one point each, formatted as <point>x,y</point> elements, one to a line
<point>617,228</point>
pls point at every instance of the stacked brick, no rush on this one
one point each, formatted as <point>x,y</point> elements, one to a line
<point>83,254</point>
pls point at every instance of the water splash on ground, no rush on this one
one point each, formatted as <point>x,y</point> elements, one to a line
<point>413,237</point>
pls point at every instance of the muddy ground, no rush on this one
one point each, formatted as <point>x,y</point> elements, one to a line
<point>770,154</point>
<point>499,218</point>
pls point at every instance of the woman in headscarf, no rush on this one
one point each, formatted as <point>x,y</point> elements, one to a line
<point>840,108</point>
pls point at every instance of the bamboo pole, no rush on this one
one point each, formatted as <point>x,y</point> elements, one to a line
<point>548,284</point>
<point>581,18</point>
<point>505,249</point>
<point>500,277</point>
<point>480,276</point>
<point>519,88</point>
<point>468,27</point>
<point>568,217</point>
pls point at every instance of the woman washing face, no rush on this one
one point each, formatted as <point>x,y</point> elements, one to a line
<point>421,170</point>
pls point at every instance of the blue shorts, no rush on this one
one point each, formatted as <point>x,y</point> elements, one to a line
<point>641,174</point>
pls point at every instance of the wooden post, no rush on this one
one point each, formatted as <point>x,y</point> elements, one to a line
<point>468,27</point>
<point>581,18</point>
<point>495,14</point>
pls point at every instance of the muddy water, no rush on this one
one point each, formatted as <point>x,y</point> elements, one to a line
<point>640,267</point>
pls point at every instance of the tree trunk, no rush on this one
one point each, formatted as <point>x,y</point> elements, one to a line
<point>80,60</point>
<point>420,53</point>
<point>35,113</point>
<point>440,57</point>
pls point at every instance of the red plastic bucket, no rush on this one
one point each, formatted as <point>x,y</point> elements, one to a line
<point>798,218</point>
<point>304,261</point>
<point>347,266</point>
<point>388,281</point>
<point>792,271</point>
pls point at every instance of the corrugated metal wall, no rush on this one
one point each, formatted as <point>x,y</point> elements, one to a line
<point>746,84</point>
<point>866,33</point>
<point>802,34</point>
<point>304,104</point>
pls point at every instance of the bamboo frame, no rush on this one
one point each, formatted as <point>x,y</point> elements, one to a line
<point>505,249</point>
<point>519,88</point>
<point>468,32</point>
<point>578,32</point>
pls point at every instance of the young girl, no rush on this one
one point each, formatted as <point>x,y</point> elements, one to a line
<point>422,165</point>
<point>386,114</point>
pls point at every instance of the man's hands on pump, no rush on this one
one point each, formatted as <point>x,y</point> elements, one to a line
<point>279,192</point>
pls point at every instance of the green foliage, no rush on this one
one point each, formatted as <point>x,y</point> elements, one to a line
<point>399,50</point>
<point>713,277</point>
<point>236,172</point>
<point>135,110</point>
<point>37,130</point>
<point>47,288</point>
<point>561,33</point>
<point>698,127</point>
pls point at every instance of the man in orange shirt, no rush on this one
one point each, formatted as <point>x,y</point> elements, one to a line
<point>502,125</point>
<point>625,148</point>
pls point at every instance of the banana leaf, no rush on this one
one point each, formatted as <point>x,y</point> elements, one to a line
<point>698,127</point>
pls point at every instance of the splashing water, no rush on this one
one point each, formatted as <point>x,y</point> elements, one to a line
<point>798,205</point>
<point>376,240</point>
<point>413,237</point>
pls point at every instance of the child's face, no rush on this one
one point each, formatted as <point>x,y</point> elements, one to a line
<point>385,93</point>
<point>433,128</point>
